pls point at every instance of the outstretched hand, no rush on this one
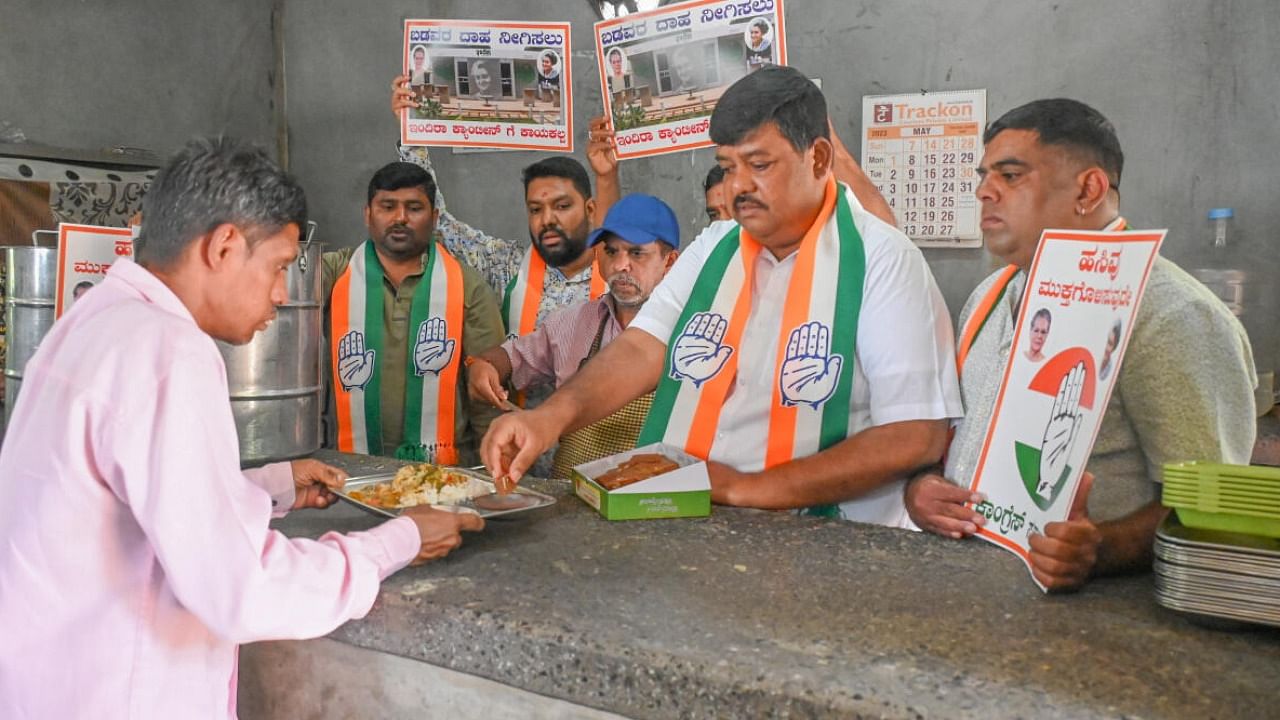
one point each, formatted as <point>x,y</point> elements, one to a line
<point>698,353</point>
<point>313,483</point>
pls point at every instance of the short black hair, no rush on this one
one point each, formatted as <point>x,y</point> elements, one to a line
<point>1043,313</point>
<point>400,175</point>
<point>559,166</point>
<point>762,24</point>
<point>550,56</point>
<point>715,176</point>
<point>1070,124</point>
<point>213,181</point>
<point>774,93</point>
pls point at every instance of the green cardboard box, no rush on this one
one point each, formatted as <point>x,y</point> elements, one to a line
<point>683,492</point>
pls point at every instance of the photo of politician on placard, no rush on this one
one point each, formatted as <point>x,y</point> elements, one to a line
<point>487,84</point>
<point>662,71</point>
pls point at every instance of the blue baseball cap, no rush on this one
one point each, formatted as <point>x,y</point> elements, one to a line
<point>639,220</point>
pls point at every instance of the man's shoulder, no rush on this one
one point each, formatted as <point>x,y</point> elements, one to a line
<point>881,241</point>
<point>1173,296</point>
<point>338,259</point>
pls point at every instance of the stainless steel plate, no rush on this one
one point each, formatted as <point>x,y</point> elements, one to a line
<point>481,487</point>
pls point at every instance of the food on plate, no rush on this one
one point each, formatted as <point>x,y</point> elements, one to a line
<point>424,484</point>
<point>639,467</point>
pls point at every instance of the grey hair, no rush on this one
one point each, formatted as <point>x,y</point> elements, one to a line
<point>210,182</point>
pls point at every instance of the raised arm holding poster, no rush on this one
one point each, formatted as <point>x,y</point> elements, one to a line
<point>488,84</point>
<point>1083,291</point>
<point>662,71</point>
<point>85,253</point>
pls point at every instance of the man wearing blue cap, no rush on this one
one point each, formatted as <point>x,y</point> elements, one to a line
<point>640,237</point>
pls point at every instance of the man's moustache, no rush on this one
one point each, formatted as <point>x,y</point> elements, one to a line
<point>741,200</point>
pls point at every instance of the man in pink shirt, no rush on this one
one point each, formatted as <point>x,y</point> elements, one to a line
<point>640,237</point>
<point>136,555</point>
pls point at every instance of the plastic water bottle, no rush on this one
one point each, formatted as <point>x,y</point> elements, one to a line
<point>1219,218</point>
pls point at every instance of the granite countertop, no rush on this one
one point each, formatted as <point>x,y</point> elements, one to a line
<point>757,614</point>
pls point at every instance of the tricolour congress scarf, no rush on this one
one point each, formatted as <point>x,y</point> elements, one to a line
<point>434,349</point>
<point>808,408</point>
<point>523,294</point>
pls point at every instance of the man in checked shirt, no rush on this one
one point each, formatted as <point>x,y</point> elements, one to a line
<point>640,237</point>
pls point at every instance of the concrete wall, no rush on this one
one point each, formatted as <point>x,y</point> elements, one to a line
<point>1191,86</point>
<point>141,73</point>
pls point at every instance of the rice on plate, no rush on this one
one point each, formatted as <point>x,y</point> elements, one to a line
<point>424,484</point>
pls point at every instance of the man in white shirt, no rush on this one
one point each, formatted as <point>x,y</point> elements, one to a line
<point>807,353</point>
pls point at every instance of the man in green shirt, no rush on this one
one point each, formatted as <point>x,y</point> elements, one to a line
<point>402,315</point>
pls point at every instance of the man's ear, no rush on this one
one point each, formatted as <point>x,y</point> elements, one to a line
<point>220,244</point>
<point>591,210</point>
<point>671,258</point>
<point>823,155</point>
<point>1093,184</point>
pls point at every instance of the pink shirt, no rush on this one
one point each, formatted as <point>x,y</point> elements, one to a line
<point>134,554</point>
<point>553,352</point>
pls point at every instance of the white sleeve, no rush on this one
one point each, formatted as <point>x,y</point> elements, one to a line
<point>659,314</point>
<point>906,348</point>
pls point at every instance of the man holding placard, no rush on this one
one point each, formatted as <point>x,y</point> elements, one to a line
<point>805,353</point>
<point>1185,391</point>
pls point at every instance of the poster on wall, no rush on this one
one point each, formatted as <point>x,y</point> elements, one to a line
<point>1083,291</point>
<point>922,151</point>
<point>662,71</point>
<point>85,254</point>
<point>488,84</point>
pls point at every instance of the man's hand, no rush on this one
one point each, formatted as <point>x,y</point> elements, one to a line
<point>729,486</point>
<point>938,506</point>
<point>810,371</point>
<point>602,149</point>
<point>440,531</point>
<point>698,354</point>
<point>313,482</point>
<point>1060,432</point>
<point>355,364</point>
<point>401,96</point>
<point>511,446</point>
<point>1064,557</point>
<point>484,384</point>
<point>434,349</point>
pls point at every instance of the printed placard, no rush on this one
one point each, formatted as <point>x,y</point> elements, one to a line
<point>1083,291</point>
<point>662,71</point>
<point>922,151</point>
<point>85,253</point>
<point>488,84</point>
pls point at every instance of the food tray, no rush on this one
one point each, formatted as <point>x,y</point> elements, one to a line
<point>480,485</point>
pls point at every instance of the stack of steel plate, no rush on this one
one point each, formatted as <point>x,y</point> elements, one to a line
<point>1216,573</point>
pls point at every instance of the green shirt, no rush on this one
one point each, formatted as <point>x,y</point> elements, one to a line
<point>481,329</point>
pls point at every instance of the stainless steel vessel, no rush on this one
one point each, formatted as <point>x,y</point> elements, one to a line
<point>275,380</point>
<point>28,307</point>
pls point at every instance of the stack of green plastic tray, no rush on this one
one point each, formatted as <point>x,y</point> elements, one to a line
<point>1232,498</point>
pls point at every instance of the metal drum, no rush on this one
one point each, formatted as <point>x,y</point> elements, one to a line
<point>275,380</point>
<point>31,273</point>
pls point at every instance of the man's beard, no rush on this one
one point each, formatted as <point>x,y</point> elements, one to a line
<point>409,246</point>
<point>571,246</point>
<point>625,281</point>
